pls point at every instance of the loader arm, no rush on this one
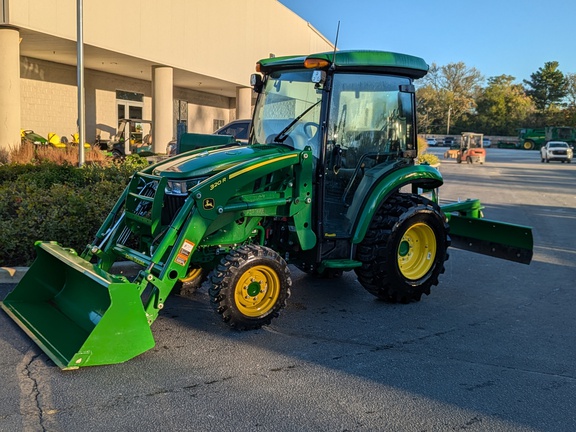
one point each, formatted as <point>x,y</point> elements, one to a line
<point>216,197</point>
<point>82,315</point>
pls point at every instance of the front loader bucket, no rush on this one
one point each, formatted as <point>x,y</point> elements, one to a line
<point>77,313</point>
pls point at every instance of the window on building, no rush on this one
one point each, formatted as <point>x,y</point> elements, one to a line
<point>217,125</point>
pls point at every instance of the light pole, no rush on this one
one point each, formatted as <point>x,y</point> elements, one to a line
<point>80,79</point>
<point>448,123</point>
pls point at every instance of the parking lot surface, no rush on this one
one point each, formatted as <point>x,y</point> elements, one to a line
<point>491,349</point>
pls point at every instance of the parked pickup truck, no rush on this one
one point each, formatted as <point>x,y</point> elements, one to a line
<point>556,150</point>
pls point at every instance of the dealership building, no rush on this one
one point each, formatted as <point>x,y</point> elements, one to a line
<point>184,64</point>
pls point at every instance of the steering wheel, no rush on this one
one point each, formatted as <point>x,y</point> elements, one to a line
<point>310,129</point>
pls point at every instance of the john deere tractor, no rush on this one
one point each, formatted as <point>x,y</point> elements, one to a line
<point>327,182</point>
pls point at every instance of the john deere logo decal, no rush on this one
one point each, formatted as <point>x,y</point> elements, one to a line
<point>208,203</point>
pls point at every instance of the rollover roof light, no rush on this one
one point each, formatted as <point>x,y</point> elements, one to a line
<point>315,63</point>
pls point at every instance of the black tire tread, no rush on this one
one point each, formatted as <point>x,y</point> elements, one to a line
<point>221,289</point>
<point>377,274</point>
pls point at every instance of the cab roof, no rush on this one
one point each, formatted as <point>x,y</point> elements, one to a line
<point>357,60</point>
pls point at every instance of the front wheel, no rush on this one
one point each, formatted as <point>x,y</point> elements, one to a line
<point>528,145</point>
<point>190,283</point>
<point>404,250</point>
<point>250,286</point>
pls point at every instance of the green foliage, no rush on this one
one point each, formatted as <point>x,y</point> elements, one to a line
<point>452,99</point>
<point>428,159</point>
<point>56,202</point>
<point>547,86</point>
<point>446,96</point>
<point>501,107</point>
<point>423,157</point>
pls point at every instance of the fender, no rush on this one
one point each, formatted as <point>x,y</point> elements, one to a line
<point>381,183</point>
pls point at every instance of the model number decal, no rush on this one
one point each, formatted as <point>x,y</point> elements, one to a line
<point>217,183</point>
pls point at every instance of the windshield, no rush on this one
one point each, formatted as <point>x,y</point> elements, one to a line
<point>288,111</point>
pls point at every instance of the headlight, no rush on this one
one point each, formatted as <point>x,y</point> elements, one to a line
<point>176,188</point>
<point>181,187</point>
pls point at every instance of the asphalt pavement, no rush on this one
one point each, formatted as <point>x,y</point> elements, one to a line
<point>491,349</point>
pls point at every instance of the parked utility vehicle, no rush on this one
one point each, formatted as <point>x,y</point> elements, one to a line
<point>133,136</point>
<point>535,138</point>
<point>327,182</point>
<point>556,151</point>
<point>471,149</point>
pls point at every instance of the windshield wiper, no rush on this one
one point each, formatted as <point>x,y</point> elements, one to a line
<point>281,137</point>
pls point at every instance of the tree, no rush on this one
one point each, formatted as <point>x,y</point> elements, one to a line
<point>447,95</point>
<point>547,87</point>
<point>502,106</point>
<point>570,111</point>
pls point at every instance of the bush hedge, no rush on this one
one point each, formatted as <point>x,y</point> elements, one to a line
<point>46,201</point>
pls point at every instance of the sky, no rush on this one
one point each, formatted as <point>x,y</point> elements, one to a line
<point>497,37</point>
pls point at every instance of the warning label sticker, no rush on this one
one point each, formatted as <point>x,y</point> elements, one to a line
<point>184,253</point>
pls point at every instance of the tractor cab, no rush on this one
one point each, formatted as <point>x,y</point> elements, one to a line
<point>358,124</point>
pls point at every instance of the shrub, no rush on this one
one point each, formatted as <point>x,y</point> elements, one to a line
<point>423,157</point>
<point>428,159</point>
<point>48,201</point>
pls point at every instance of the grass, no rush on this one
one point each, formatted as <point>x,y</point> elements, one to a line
<point>27,153</point>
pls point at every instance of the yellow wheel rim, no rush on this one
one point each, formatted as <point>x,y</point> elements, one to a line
<point>528,145</point>
<point>257,291</point>
<point>417,251</point>
<point>192,274</point>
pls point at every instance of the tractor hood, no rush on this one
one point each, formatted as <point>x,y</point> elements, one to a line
<point>207,162</point>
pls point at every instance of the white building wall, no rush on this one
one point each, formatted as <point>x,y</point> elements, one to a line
<point>221,39</point>
<point>49,101</point>
<point>214,38</point>
<point>48,97</point>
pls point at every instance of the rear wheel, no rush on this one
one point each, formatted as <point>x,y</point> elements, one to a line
<point>250,286</point>
<point>404,250</point>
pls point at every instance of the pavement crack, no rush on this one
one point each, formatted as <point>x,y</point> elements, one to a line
<point>30,396</point>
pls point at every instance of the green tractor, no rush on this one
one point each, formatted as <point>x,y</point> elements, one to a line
<point>327,183</point>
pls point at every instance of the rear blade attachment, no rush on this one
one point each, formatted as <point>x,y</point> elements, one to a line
<point>498,239</point>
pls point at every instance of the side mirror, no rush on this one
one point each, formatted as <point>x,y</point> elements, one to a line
<point>256,82</point>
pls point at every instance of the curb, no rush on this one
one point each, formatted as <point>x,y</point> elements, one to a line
<point>9,275</point>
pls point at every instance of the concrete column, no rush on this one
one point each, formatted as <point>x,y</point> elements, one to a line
<point>243,102</point>
<point>9,88</point>
<point>162,107</point>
